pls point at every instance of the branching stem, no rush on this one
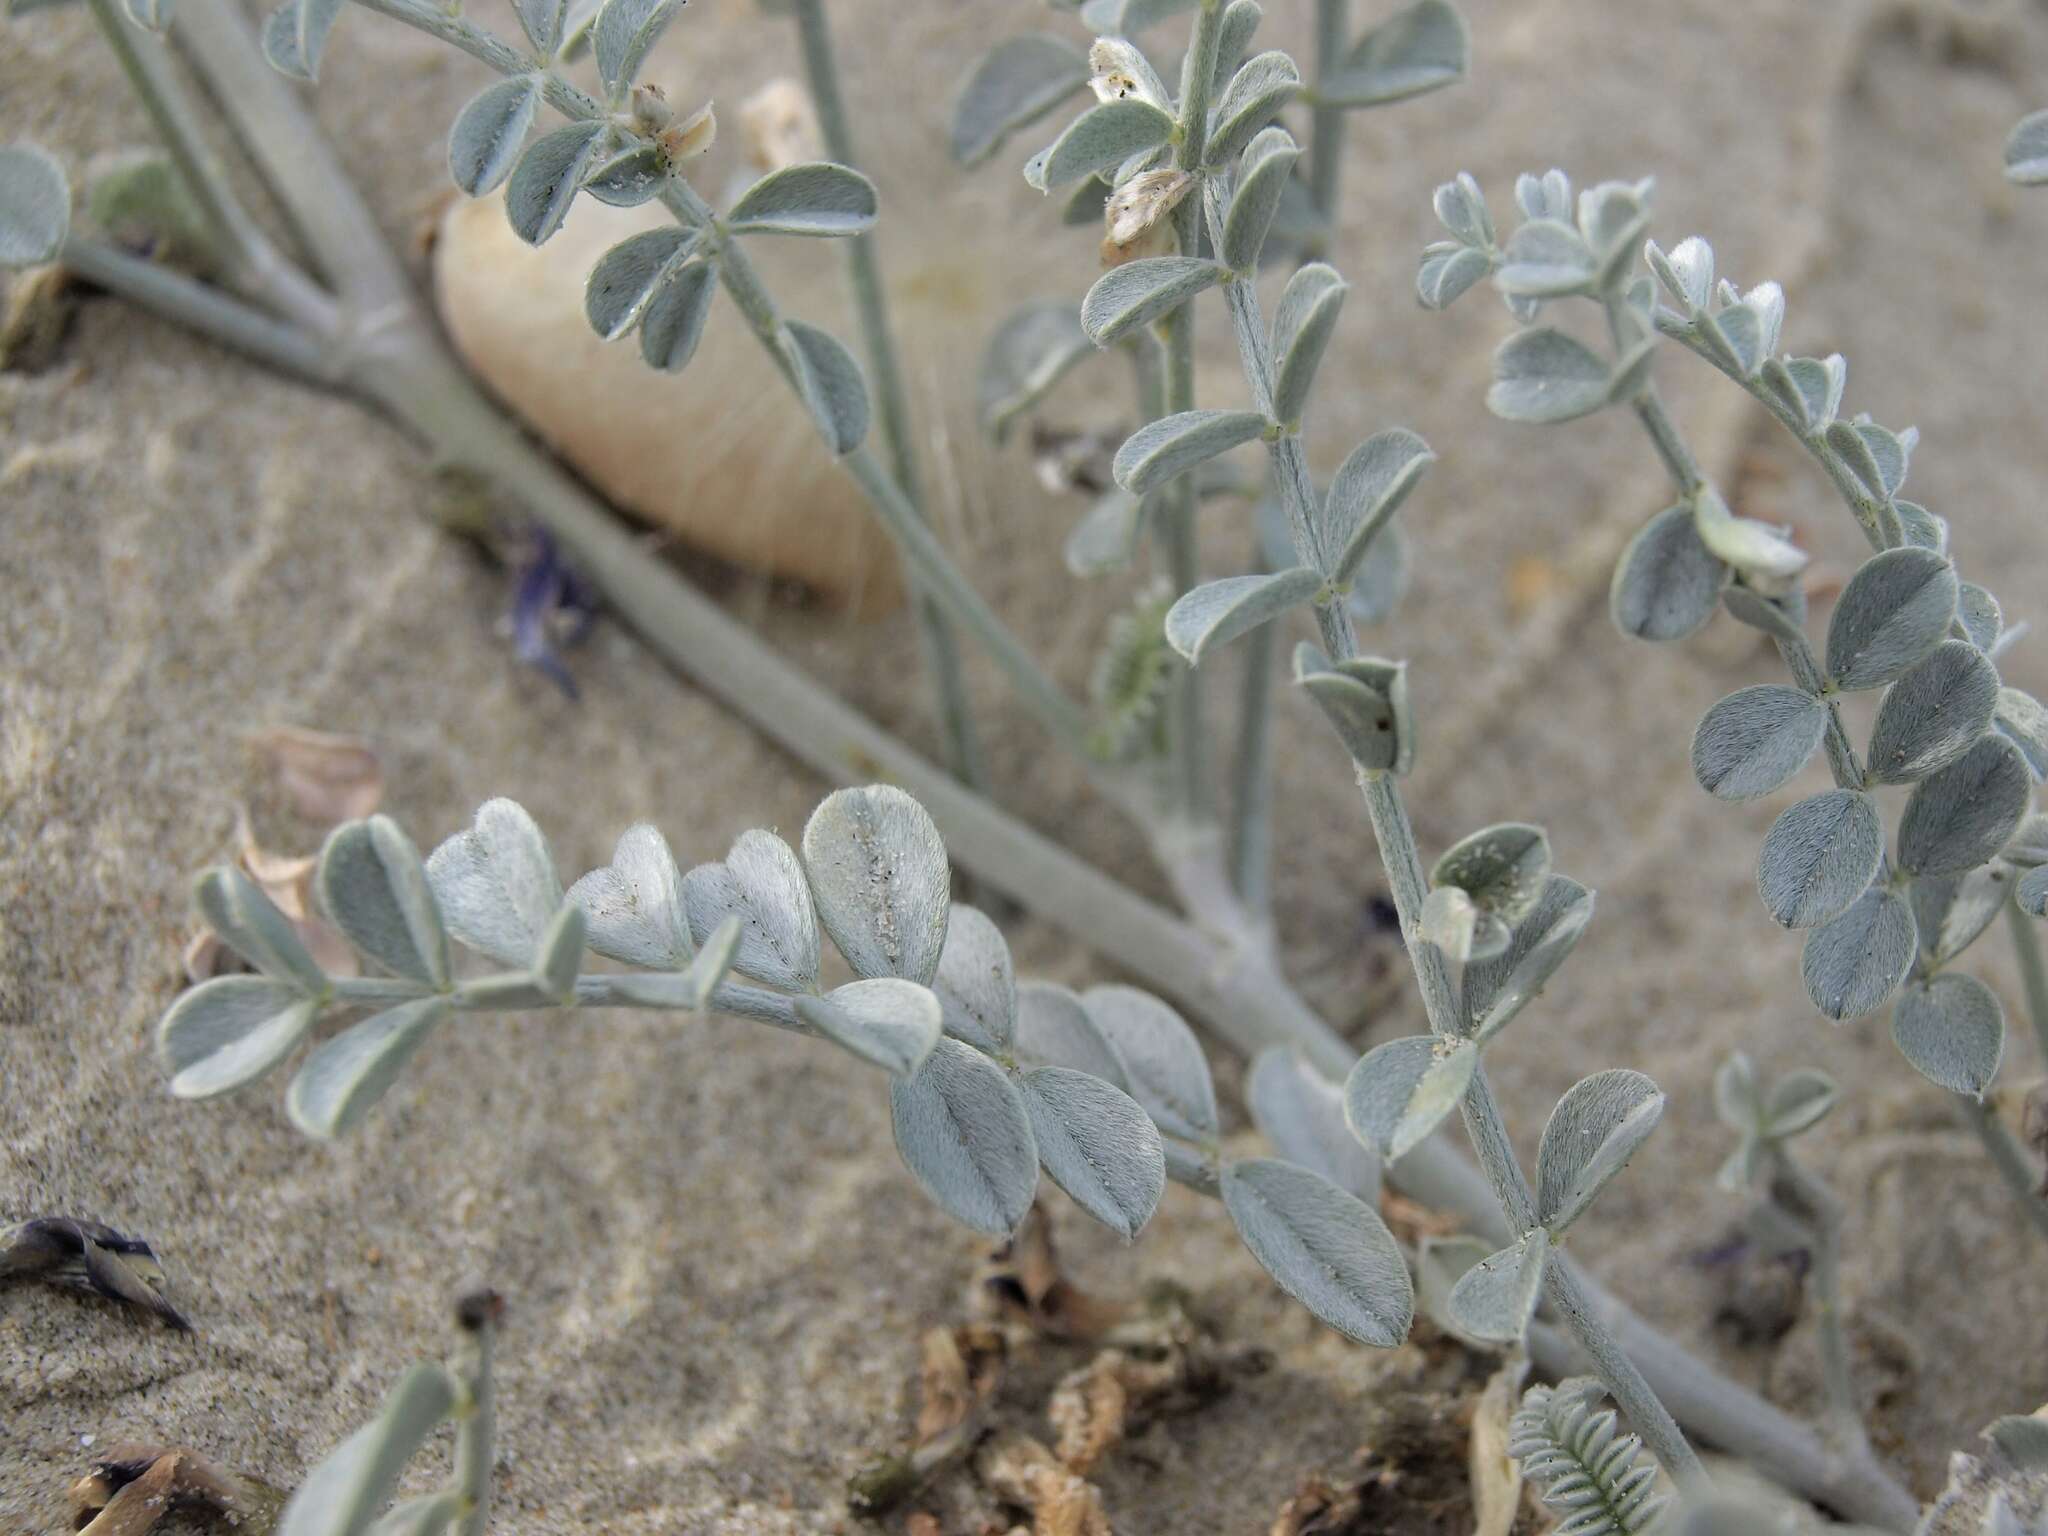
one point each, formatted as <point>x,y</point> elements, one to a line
<point>892,407</point>
<point>2026,948</point>
<point>1817,1209</point>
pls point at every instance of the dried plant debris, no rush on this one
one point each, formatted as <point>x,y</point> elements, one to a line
<point>959,1370</point>
<point>1060,1501</point>
<point>1021,1285</point>
<point>1411,1477</point>
<point>88,1256</point>
<point>132,1487</point>
<point>329,778</point>
<point>1160,1364</point>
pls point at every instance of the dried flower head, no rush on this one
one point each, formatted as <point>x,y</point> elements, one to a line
<point>1137,220</point>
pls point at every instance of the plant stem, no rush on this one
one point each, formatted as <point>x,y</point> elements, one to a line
<point>475,1428</point>
<point>1873,514</point>
<point>1251,824</point>
<point>892,408</point>
<point>2007,1156</point>
<point>1326,122</point>
<point>299,167</point>
<point>928,559</point>
<point>256,268</point>
<point>205,309</point>
<point>2026,946</point>
<point>1814,1205</point>
<point>1175,523</point>
<point>1403,863</point>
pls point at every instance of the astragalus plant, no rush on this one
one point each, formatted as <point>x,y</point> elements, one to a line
<point>1197,186</point>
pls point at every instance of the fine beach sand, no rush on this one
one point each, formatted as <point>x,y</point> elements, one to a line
<point>716,1269</point>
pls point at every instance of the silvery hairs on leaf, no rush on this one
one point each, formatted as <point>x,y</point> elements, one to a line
<point>1494,1299</point>
<point>887,1022</point>
<point>1402,1090</point>
<point>1756,739</point>
<point>1303,322</point>
<point>35,206</point>
<point>635,908</point>
<point>1592,1133</point>
<point>345,1076</point>
<point>378,893</point>
<point>976,982</point>
<point>1952,1029</point>
<point>249,923</point>
<point>1033,349</point>
<point>763,885</point>
<point>496,884</point>
<point>1163,1064</point>
<point>1421,47</point>
<point>488,133</point>
<point>1098,1144</point>
<point>1172,445</point>
<point>230,1031</point>
<point>1016,83</point>
<point>831,384</point>
<point>1852,964</point>
<point>1502,868</point>
<point>879,876</point>
<point>1819,856</point>
<point>1055,1029</point>
<point>1327,1249</point>
<point>820,199</point>
<point>1667,582</point>
<point>1127,298</point>
<point>343,1494</point>
<point>1492,991</point>
<point>1933,714</point>
<point>1893,611</point>
<point>1962,816</point>
<point>1219,611</point>
<point>1301,1113</point>
<point>964,1132</point>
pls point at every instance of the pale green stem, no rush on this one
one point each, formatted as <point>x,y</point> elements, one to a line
<point>1251,824</point>
<point>205,309</point>
<point>1175,520</point>
<point>1326,122</point>
<point>2007,1156</point>
<point>929,562</point>
<point>892,407</point>
<point>1408,885</point>
<point>1626,328</point>
<point>2026,946</point>
<point>1236,993</point>
<point>256,268</point>
<point>1875,515</point>
<point>476,1426</point>
<point>1817,1209</point>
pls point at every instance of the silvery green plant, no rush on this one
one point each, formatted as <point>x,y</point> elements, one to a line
<point>1197,188</point>
<point>1886,911</point>
<point>346,1493</point>
<point>1589,1471</point>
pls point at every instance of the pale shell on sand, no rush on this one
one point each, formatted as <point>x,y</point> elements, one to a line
<point>719,454</point>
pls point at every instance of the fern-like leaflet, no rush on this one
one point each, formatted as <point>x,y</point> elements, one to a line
<point>1598,1479</point>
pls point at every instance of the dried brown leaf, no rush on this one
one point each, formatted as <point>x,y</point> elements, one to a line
<point>329,778</point>
<point>1496,1476</point>
<point>1021,1284</point>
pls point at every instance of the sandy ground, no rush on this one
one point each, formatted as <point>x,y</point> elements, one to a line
<point>716,1268</point>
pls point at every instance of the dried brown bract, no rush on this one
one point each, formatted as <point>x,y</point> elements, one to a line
<point>88,1256</point>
